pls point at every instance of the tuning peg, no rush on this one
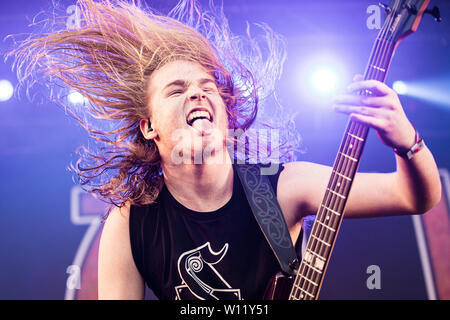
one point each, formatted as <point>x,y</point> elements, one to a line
<point>386,7</point>
<point>435,13</point>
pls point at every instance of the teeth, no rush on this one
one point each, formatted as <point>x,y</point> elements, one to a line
<point>198,114</point>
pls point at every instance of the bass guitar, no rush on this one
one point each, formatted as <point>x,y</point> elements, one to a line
<point>403,18</point>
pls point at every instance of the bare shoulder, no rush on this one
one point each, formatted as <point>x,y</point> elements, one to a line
<point>116,226</point>
<point>117,273</point>
<point>118,217</point>
<point>302,184</point>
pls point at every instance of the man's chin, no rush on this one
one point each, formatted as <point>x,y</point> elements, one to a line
<point>195,148</point>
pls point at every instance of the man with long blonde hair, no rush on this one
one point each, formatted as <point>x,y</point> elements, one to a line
<point>169,89</point>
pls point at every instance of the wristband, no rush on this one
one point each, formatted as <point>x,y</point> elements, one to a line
<point>409,153</point>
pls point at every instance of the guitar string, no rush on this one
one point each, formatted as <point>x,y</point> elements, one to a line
<point>358,128</point>
<point>355,150</point>
<point>334,202</point>
<point>348,167</point>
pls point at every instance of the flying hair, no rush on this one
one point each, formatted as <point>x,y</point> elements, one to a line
<point>109,57</point>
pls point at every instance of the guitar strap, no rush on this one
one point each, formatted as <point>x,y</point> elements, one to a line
<point>268,214</point>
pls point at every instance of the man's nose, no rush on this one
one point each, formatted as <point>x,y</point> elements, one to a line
<point>197,96</point>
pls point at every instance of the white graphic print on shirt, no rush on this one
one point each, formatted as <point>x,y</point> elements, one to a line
<point>200,279</point>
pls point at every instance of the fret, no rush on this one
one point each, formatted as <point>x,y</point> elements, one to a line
<point>319,261</point>
<point>343,176</point>
<point>304,291</point>
<point>331,210</point>
<point>383,40</point>
<point>349,157</point>
<point>328,227</point>
<point>336,193</point>
<point>311,267</point>
<point>356,137</point>
<point>309,280</point>
<point>320,240</point>
<point>315,254</point>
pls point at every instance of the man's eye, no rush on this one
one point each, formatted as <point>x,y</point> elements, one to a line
<point>175,92</point>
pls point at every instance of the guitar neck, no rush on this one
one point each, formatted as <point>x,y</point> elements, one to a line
<point>331,211</point>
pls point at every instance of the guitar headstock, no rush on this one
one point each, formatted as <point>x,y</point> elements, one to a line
<point>403,18</point>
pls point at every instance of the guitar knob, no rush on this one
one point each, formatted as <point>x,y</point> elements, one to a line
<point>435,13</point>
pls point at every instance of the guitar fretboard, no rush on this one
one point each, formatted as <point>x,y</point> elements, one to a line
<point>330,213</point>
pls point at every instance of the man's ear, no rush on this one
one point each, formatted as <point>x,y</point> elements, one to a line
<point>147,131</point>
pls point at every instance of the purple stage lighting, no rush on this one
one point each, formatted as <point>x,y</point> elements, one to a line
<point>75,97</point>
<point>322,76</point>
<point>432,90</point>
<point>400,87</point>
<point>6,90</point>
<point>324,80</point>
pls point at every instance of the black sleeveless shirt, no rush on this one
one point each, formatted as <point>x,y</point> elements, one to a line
<point>184,254</point>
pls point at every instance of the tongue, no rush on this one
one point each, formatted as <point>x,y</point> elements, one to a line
<point>202,125</point>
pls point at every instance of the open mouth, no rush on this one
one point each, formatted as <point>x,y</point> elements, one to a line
<point>198,114</point>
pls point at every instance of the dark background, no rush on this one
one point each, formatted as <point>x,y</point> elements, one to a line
<point>37,141</point>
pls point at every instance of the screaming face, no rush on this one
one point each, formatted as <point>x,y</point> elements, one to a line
<point>187,113</point>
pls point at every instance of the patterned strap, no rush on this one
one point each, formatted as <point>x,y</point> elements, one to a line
<point>268,214</point>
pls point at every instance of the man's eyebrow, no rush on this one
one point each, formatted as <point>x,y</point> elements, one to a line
<point>206,80</point>
<point>181,83</point>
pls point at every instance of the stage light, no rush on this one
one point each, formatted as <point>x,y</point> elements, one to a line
<point>324,80</point>
<point>320,77</point>
<point>75,97</point>
<point>400,87</point>
<point>6,90</point>
<point>432,90</point>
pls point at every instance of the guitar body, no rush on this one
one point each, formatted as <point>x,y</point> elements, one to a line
<point>279,287</point>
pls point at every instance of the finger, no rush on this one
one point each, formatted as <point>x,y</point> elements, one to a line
<point>352,109</point>
<point>375,118</point>
<point>375,87</point>
<point>373,122</point>
<point>361,100</point>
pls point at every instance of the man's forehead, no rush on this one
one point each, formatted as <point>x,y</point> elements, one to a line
<point>179,73</point>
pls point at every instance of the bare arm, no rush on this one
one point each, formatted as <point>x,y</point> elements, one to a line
<point>118,277</point>
<point>413,189</point>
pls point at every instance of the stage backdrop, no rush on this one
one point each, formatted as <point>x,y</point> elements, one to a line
<point>49,228</point>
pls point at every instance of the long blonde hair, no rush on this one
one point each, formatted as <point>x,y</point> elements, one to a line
<point>109,60</point>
